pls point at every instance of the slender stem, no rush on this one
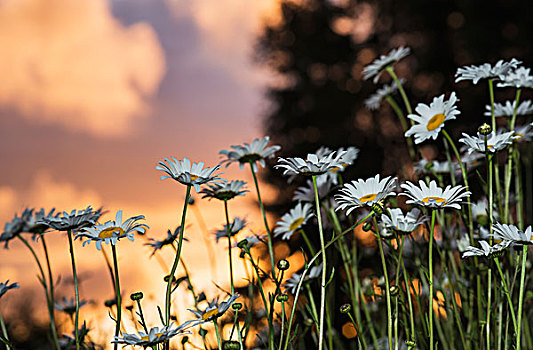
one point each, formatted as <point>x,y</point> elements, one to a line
<point>323,282</point>
<point>282,324</point>
<point>76,290</point>
<point>404,124</point>
<point>521,296</point>
<point>142,316</point>
<point>313,259</point>
<point>387,284</point>
<point>4,332</point>
<point>397,284</point>
<point>269,242</point>
<point>215,322</point>
<point>117,292</point>
<point>228,231</point>
<point>491,93</point>
<point>430,268</point>
<point>408,292</point>
<point>177,257</point>
<point>488,157</point>
<point>307,242</point>
<point>506,292</point>
<point>400,88</point>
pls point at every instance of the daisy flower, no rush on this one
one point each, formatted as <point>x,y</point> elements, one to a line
<point>406,224</point>
<point>507,109</point>
<point>292,283</point>
<point>68,305</point>
<point>486,249</point>
<point>472,160</point>
<point>11,230</point>
<point>430,119</point>
<point>495,142</point>
<point>112,231</point>
<point>293,220</point>
<point>512,233</point>
<point>235,227</point>
<point>5,286</point>
<point>423,166</point>
<point>523,133</point>
<point>365,192</point>
<point>154,337</point>
<point>480,211</point>
<point>75,221</point>
<point>168,240</point>
<point>312,165</point>
<point>377,66</point>
<point>224,190</point>
<point>433,196</point>
<point>254,152</point>
<point>463,243</point>
<point>214,309</point>
<point>374,101</point>
<point>186,173</point>
<point>486,71</point>
<point>306,193</point>
<point>519,78</point>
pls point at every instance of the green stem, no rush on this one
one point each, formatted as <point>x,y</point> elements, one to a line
<point>4,332</point>
<point>387,284</point>
<point>489,272</point>
<point>117,292</point>
<point>282,324</point>
<point>521,296</point>
<point>397,284</point>
<point>177,257</point>
<point>400,88</point>
<point>409,301</point>
<point>269,242</point>
<point>404,124</point>
<point>323,281</point>
<point>76,290</point>
<point>430,268</point>
<point>506,292</point>
<point>313,259</point>
<point>51,294</point>
<point>228,231</point>
<point>307,242</point>
<point>218,334</point>
<point>142,316</point>
<point>509,167</point>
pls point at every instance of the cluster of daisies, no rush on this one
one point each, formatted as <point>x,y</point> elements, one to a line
<point>427,296</point>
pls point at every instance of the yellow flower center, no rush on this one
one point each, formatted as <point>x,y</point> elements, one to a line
<point>437,200</point>
<point>110,231</point>
<point>209,314</point>
<point>147,338</point>
<point>368,197</point>
<point>518,136</point>
<point>296,223</point>
<point>194,177</point>
<point>436,121</point>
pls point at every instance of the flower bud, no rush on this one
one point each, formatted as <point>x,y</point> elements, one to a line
<point>485,129</point>
<point>191,200</point>
<point>243,244</point>
<point>136,296</point>
<point>129,307</point>
<point>282,298</point>
<point>184,340</point>
<point>231,345</point>
<point>308,322</point>
<point>237,306</point>
<point>394,290</point>
<point>377,208</point>
<point>202,332</point>
<point>345,308</point>
<point>167,277</point>
<point>110,302</point>
<point>367,226</point>
<point>411,344</point>
<point>283,265</point>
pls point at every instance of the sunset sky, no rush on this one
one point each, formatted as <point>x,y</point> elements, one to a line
<point>94,93</point>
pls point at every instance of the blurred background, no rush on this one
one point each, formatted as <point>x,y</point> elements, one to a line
<point>94,93</point>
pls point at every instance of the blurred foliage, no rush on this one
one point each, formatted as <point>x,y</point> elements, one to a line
<point>318,50</point>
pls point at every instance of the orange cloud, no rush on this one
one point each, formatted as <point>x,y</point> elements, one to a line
<point>72,63</point>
